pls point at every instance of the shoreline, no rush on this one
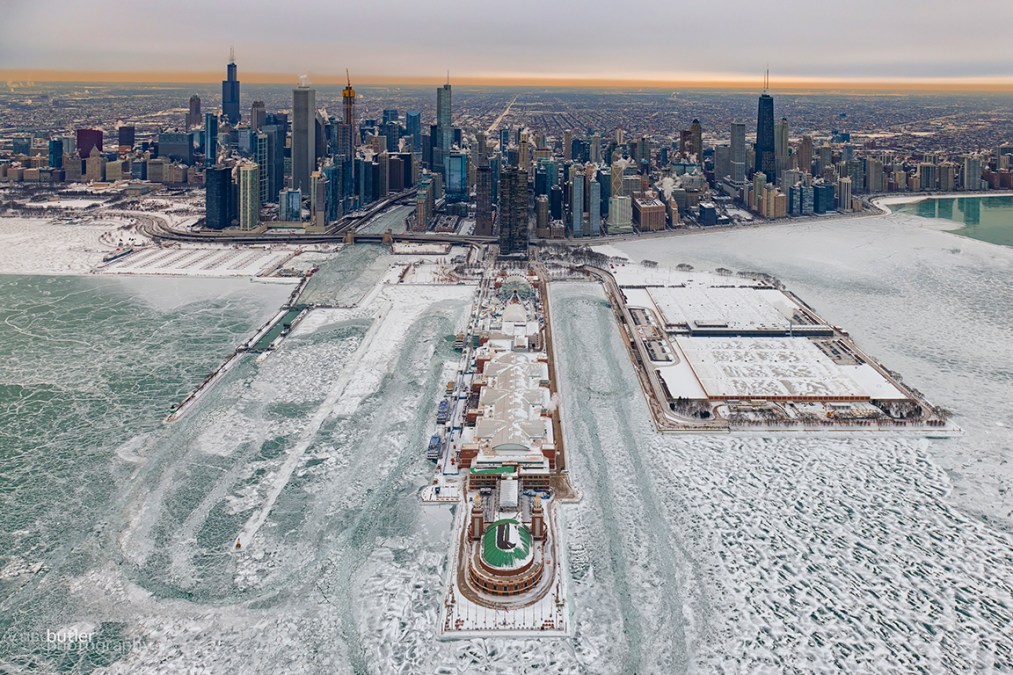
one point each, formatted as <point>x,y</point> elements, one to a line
<point>885,202</point>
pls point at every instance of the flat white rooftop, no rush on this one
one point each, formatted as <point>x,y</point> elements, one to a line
<point>739,308</point>
<point>778,368</point>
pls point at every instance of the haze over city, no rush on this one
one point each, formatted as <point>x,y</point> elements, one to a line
<point>393,41</point>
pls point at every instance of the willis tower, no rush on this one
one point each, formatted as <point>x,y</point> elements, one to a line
<point>765,160</point>
<point>230,92</point>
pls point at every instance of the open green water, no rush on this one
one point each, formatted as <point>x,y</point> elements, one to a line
<point>88,367</point>
<point>985,218</point>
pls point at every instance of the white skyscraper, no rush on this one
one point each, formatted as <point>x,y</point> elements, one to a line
<point>304,106</point>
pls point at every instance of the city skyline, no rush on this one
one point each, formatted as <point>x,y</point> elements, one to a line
<point>870,45</point>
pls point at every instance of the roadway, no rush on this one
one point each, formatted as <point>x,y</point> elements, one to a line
<point>492,127</point>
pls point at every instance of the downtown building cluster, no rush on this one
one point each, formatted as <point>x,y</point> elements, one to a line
<point>304,168</point>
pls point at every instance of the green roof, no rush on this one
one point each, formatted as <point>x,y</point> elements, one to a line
<point>502,550</point>
<point>498,470</point>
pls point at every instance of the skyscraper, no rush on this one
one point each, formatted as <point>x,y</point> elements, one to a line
<point>844,195</point>
<point>524,153</point>
<point>481,148</point>
<point>805,154</point>
<point>513,211</point>
<point>88,139</point>
<point>765,157</point>
<point>737,153</point>
<point>249,195</point>
<point>456,176</point>
<point>781,147</point>
<point>444,127</point>
<point>176,146</point>
<point>483,200</point>
<point>56,153</point>
<point>304,107</point>
<point>577,205</point>
<point>210,139</point>
<point>230,92</point>
<point>696,139</point>
<point>413,126</point>
<point>193,117</point>
<point>218,197</point>
<point>971,177</point>
<point>348,101</point>
<point>258,114</point>
<point>594,208</point>
<point>275,158</point>
<point>125,136</point>
<point>261,155</point>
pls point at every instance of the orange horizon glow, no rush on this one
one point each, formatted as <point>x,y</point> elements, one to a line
<point>708,82</point>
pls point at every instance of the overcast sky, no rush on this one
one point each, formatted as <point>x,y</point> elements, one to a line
<point>853,39</point>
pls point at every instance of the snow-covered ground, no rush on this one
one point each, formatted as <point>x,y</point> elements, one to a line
<point>65,203</point>
<point>38,246</point>
<point>217,261</point>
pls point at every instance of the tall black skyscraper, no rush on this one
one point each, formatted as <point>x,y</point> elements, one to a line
<point>218,197</point>
<point>765,160</point>
<point>230,92</point>
<point>513,211</point>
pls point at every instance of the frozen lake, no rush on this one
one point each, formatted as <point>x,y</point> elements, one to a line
<point>736,554</point>
<point>929,304</point>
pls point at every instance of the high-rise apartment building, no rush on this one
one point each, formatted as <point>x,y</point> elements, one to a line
<point>972,172</point>
<point>844,195</point>
<point>594,208</point>
<point>577,205</point>
<point>781,147</point>
<point>248,179</point>
<point>210,139</point>
<point>218,197</point>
